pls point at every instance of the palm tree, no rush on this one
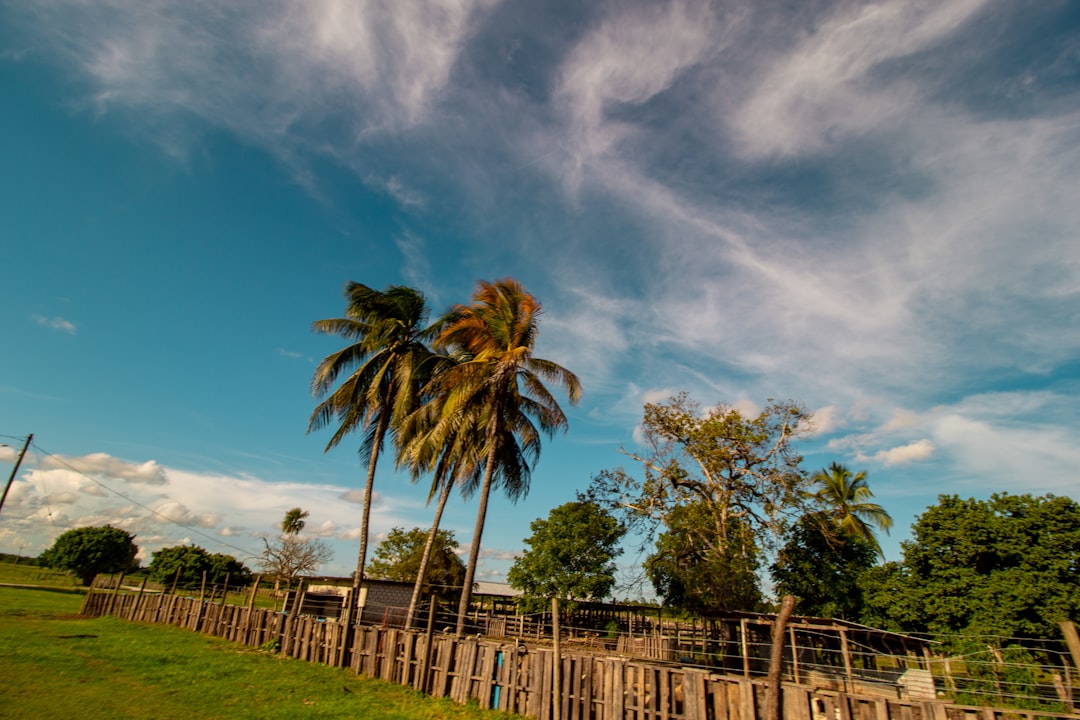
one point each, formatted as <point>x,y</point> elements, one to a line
<point>457,466</point>
<point>453,462</point>
<point>846,500</point>
<point>294,521</point>
<point>497,389</point>
<point>384,361</point>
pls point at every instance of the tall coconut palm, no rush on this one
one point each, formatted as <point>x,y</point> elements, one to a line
<point>457,466</point>
<point>845,498</point>
<point>498,389</point>
<point>452,458</point>
<point>383,363</point>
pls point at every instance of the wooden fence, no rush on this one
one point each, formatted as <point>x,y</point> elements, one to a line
<point>518,678</point>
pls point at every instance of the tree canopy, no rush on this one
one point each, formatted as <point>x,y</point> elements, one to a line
<point>570,556</point>
<point>295,521</point>
<point>828,549</point>
<point>87,551</point>
<point>497,388</point>
<point>821,567</point>
<point>383,363</point>
<point>693,572</point>
<point>846,508</point>
<point>399,558</point>
<point>719,485</point>
<point>1008,566</point>
<point>192,561</point>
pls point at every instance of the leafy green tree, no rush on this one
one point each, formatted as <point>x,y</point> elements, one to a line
<point>691,570</point>
<point>1008,566</point>
<point>828,550</point>
<point>821,567</point>
<point>88,551</point>
<point>399,557</point>
<point>386,348</point>
<point>223,566</point>
<point>497,388</point>
<point>192,561</point>
<point>845,498</point>
<point>886,600</point>
<point>721,484</point>
<point>570,557</point>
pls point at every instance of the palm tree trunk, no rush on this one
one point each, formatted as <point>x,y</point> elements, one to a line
<point>474,549</point>
<point>443,497</point>
<point>361,559</point>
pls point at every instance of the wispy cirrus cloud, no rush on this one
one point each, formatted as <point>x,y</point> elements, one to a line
<point>825,90</point>
<point>271,72</point>
<point>56,323</point>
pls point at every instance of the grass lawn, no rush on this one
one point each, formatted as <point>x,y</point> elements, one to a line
<point>33,575</point>
<point>56,664</point>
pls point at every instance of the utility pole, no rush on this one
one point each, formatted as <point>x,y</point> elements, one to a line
<point>15,470</point>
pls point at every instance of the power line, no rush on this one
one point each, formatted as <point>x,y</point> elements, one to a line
<point>59,460</point>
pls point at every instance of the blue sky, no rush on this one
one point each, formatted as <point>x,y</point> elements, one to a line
<point>870,209</point>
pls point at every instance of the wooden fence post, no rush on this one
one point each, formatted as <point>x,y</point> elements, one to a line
<point>776,660</point>
<point>745,648</point>
<point>1072,640</point>
<point>115,592</point>
<point>849,682</point>
<point>251,610</point>
<point>139,599</point>
<point>254,591</point>
<point>425,666</point>
<point>556,670</point>
<point>89,594</point>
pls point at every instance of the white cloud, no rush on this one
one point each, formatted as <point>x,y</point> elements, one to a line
<point>826,420</point>
<point>417,268</point>
<point>328,528</point>
<point>657,395</point>
<point>270,72</point>
<point>746,407</point>
<point>912,452</point>
<point>399,190</point>
<point>356,495</point>
<point>149,472</point>
<point>1003,453</point>
<point>822,91</point>
<point>176,512</point>
<point>220,512</point>
<point>900,420</point>
<point>56,323</point>
<point>630,57</point>
<point>586,331</point>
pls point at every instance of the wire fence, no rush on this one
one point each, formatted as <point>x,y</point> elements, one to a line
<point>985,671</point>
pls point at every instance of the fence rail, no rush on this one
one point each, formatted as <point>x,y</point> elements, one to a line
<point>519,678</point>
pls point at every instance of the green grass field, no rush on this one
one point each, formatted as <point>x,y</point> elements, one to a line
<point>56,664</point>
<point>26,574</point>
<point>13,574</point>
